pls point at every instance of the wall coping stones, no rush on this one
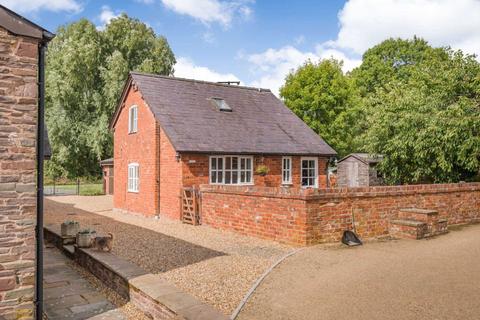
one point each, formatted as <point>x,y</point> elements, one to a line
<point>158,292</point>
<point>339,193</point>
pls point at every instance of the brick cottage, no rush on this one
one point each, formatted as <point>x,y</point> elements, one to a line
<point>171,133</point>
<point>21,42</point>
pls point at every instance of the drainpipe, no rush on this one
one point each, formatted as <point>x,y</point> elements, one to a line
<point>40,156</point>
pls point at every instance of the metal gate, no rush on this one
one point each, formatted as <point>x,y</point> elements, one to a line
<point>190,206</point>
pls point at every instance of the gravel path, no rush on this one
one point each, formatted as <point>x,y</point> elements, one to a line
<point>216,266</point>
<point>406,279</point>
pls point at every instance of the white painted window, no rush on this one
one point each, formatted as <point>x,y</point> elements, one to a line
<point>133,119</point>
<point>286,170</point>
<point>309,172</point>
<point>231,170</point>
<point>133,177</point>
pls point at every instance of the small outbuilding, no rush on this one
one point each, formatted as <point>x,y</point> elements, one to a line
<point>359,170</point>
<point>107,173</point>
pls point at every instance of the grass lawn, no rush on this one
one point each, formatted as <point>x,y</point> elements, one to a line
<point>87,189</point>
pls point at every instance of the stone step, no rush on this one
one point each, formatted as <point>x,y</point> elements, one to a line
<point>408,229</point>
<point>424,215</point>
<point>69,251</point>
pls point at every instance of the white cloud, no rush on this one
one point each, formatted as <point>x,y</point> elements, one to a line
<point>365,23</point>
<point>273,65</point>
<point>209,11</point>
<point>25,6</point>
<point>186,68</point>
<point>106,15</point>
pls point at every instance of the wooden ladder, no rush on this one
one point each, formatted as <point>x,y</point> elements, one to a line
<point>190,206</point>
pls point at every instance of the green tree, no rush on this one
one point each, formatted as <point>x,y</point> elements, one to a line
<point>393,60</point>
<point>86,70</point>
<point>323,97</point>
<point>427,125</point>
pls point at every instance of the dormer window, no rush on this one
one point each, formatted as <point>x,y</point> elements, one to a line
<point>221,105</point>
<point>133,119</point>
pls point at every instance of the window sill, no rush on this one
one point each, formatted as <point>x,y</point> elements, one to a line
<point>287,184</point>
<point>131,191</point>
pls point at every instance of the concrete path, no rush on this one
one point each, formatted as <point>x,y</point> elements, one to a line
<point>67,295</point>
<point>406,279</point>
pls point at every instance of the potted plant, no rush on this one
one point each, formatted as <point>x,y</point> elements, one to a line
<point>262,170</point>
<point>69,228</point>
<point>85,238</point>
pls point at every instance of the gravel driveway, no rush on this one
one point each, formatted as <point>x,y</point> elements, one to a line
<point>408,279</point>
<point>216,266</point>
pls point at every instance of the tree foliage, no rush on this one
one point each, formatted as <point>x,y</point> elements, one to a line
<point>428,125</point>
<point>417,105</point>
<point>85,72</point>
<point>322,96</point>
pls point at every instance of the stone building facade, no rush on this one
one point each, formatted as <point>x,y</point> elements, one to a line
<point>358,170</point>
<point>19,64</point>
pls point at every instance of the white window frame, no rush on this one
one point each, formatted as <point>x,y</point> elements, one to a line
<point>239,170</point>
<point>133,119</point>
<point>287,172</point>
<point>133,177</point>
<point>315,172</point>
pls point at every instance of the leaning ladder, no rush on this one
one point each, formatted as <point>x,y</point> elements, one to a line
<point>190,206</point>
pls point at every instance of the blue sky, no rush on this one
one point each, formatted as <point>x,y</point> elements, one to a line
<point>259,42</point>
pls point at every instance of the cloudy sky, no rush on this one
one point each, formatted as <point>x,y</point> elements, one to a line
<point>259,42</point>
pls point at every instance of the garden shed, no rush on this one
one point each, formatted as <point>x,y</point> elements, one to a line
<point>359,170</point>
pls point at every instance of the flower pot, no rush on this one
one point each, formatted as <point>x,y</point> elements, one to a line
<point>85,240</point>
<point>69,229</point>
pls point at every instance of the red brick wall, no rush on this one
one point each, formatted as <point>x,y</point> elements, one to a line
<point>170,178</point>
<point>140,147</point>
<point>18,126</point>
<point>195,169</point>
<point>315,216</point>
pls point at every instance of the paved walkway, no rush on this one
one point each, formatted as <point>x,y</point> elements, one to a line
<point>68,295</point>
<point>407,279</point>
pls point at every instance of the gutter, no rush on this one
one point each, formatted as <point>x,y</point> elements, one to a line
<point>40,157</point>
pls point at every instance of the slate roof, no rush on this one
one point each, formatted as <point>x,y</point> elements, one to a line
<point>364,157</point>
<point>258,124</point>
<point>107,162</point>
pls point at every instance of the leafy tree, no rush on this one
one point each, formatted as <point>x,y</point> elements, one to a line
<point>427,125</point>
<point>321,95</point>
<point>86,70</point>
<point>393,60</point>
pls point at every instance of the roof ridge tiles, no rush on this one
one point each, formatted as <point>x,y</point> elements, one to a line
<point>199,81</point>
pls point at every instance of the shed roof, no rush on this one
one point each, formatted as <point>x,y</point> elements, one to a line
<point>364,157</point>
<point>258,122</point>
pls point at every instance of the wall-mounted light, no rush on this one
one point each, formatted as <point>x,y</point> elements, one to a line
<point>178,157</point>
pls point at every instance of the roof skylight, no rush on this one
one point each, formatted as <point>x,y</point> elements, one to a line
<point>221,104</point>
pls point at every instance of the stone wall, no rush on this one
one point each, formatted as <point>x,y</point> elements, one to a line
<point>18,125</point>
<point>309,216</point>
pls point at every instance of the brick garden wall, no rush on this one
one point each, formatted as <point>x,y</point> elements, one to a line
<point>309,216</point>
<point>18,125</point>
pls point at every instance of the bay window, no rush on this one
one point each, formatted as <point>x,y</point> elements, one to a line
<point>231,170</point>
